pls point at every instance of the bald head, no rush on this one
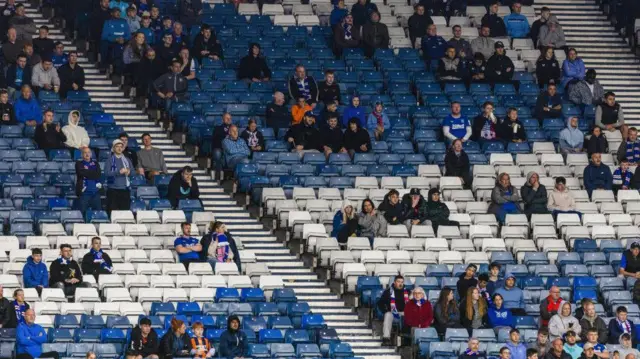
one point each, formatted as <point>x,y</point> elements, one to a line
<point>278,98</point>
<point>29,316</point>
<point>233,132</point>
<point>630,356</point>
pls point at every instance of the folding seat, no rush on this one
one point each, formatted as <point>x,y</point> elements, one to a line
<point>599,271</point>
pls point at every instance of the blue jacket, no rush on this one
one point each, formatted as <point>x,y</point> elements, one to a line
<point>35,274</point>
<point>597,177</point>
<point>237,148</point>
<point>30,339</point>
<point>572,70</point>
<point>28,110</point>
<point>372,122</point>
<point>115,28</point>
<point>122,5</point>
<point>337,224</point>
<point>433,47</point>
<point>518,351</point>
<point>513,298</point>
<point>351,112</point>
<point>233,345</point>
<point>500,317</point>
<point>571,137</point>
<point>149,35</point>
<point>337,15</point>
<point>517,25</point>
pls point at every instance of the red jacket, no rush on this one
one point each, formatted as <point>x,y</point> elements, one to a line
<point>549,308</point>
<point>418,316</point>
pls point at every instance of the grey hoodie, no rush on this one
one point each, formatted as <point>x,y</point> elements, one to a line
<point>559,324</point>
<point>624,350</point>
<point>547,37</point>
<point>372,226</point>
<point>41,77</point>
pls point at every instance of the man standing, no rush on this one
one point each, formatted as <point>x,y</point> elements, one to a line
<point>49,135</point>
<point>65,272</point>
<point>35,273</point>
<point>88,183</point>
<point>220,132</point>
<point>96,261</point>
<point>170,87</point>
<point>150,159</point>
<point>494,22</point>
<point>117,169</point>
<point>187,247</point>
<point>30,337</point>
<point>392,303</point>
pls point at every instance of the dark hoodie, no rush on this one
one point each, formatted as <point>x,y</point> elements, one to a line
<point>179,189</point>
<point>233,343</point>
<point>375,35</point>
<point>211,45</point>
<point>50,138</point>
<point>499,68</point>
<point>418,26</point>
<point>253,67</point>
<point>458,166</point>
<point>7,109</point>
<point>206,242</point>
<point>353,140</point>
<point>328,93</point>
<point>436,210</point>
<point>420,212</point>
<point>278,116</point>
<point>35,274</point>
<point>596,144</point>
<point>140,347</point>
<point>307,136</point>
<point>392,214</point>
<point>147,73</point>
<point>507,133</point>
<point>332,138</point>
<point>362,13</point>
<point>253,138</point>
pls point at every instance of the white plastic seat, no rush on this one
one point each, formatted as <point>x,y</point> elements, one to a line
<point>551,159</point>
<point>545,232</point>
<point>14,268</point>
<point>84,229</point>
<point>53,229</point>
<point>514,232</point>
<point>477,207</point>
<point>272,9</point>
<point>603,232</point>
<point>450,183</point>
<point>448,232</point>
<point>122,217</point>
<point>109,281</point>
<point>19,255</point>
<point>575,232</point>
<point>350,273</point>
<point>227,269</point>
<point>283,20</point>
<point>611,208</point>
<point>516,220</point>
<point>73,309</point>
<point>161,256</point>
<point>462,245</point>
<point>271,282</point>
<point>123,268</point>
<point>308,20</point>
<point>86,295</point>
<point>161,281</point>
<point>476,258</point>
<point>70,240</point>
<point>365,183</point>
<point>150,295</point>
<point>501,159</point>
<point>173,269</point>
<point>436,245</point>
<point>148,217</point>
<point>131,309</point>
<point>398,257</point>
<point>485,171</point>
<point>391,183</point>
<point>188,281</point>
<point>114,295</point>
<point>110,229</point>
<point>161,230</point>
<point>627,195</point>
<point>385,244</point>
<point>590,220</point>
<point>201,294</point>
<point>625,232</point>
<point>420,231</point>
<point>329,194</point>
<point>425,258</point>
<point>397,230</point>
<point>136,281</point>
<point>543,148</point>
<point>526,159</point>
<point>200,269</point>
<point>53,295</point>
<point>418,182</point>
<point>213,281</point>
<point>135,256</point>
<point>248,9</point>
<point>173,216</point>
<point>449,257</point>
<point>241,281</point>
<point>149,243</point>
<point>587,207</point>
<point>45,321</point>
<point>411,244</point>
<point>123,242</point>
<point>36,242</point>
<point>136,230</point>
<point>599,196</point>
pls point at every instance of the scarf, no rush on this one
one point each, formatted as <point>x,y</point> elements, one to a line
<point>98,257</point>
<point>222,251</point>
<point>471,352</point>
<point>252,141</point>
<point>347,31</point>
<point>489,128</point>
<point>90,186</point>
<point>420,302</point>
<point>622,178</point>
<point>125,164</point>
<point>625,326</point>
<point>64,261</point>
<point>378,117</point>
<point>20,309</point>
<point>633,151</point>
<point>394,310</point>
<point>303,87</point>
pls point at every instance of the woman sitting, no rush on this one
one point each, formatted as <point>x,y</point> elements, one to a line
<point>485,126</point>
<point>534,195</point>
<point>563,322</point>
<point>345,223</point>
<point>504,198</point>
<point>438,212</point>
<point>418,312</point>
<point>499,316</point>
<point>456,163</point>
<point>253,137</point>
<point>176,342</point>
<point>473,311</point>
<point>446,312</point>
<point>370,222</point>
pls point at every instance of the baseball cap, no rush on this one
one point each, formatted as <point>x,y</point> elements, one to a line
<point>635,245</point>
<point>414,192</point>
<point>498,44</point>
<point>146,14</point>
<point>587,346</point>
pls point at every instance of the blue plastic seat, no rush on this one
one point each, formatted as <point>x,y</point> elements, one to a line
<point>227,295</point>
<point>163,309</point>
<point>340,350</point>
<point>87,335</point>
<point>252,295</point>
<point>60,336</point>
<point>113,336</point>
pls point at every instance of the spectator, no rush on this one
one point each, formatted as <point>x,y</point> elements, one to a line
<point>115,32</point>
<point>49,136</point>
<point>45,76</point>
<point>354,111</point>
<point>278,116</point>
<point>128,152</point>
<point>588,91</point>
<point>332,138</point>
<point>418,23</point>
<point>456,163</point>
<point>134,52</point>
<point>596,143</point>
<point>622,176</point>
<point>117,171</point>
<point>32,58</point>
<point>77,136</point>
<point>27,108</point>
<point>29,339</point>
<point>517,27</point>
<point>98,17</point>
<point>545,17</point>
<point>371,223</point>
<point>494,22</point>
<point>253,137</point>
<point>88,182</point>
<point>362,11</point>
<point>588,352</point>
<point>446,311</point>
<point>233,341</point>
<point>219,246</point>
<point>121,5</point>
<point>189,12</point>
<point>378,121</point>
<point>549,104</point>
<point>133,20</point>
<point>170,87</point>
<point>485,126</point>
<point>416,211</point>
<point>356,139</point>
<point>375,35</point>
<point>345,222</point>
<point>345,35</point>
<point>552,36</point>
<point>600,350</point>
<point>499,316</point>
<point>635,180</point>
<point>35,273</point>
<point>499,66</point>
<point>518,349</point>
<point>253,67</point>
<point>449,67</point>
<point>542,344</point>
<point>300,110</point>
<point>392,208</point>
<point>473,311</point>
<point>627,347</point>
<point>144,341</point>
<point>12,47</point>
<point>621,325</point>
<point>200,346</point>
<point>483,280</point>
<point>305,136</point>
<point>534,195</point>
<point>557,350</point>
<point>301,85</point>
<point>18,74</point>
<point>462,47</point>
<point>20,307</point>
<point>433,46</point>
<point>96,261</point>
<point>456,125</point>
<point>573,69</point>
<point>329,91</point>
<point>167,51</point>
<point>65,273</point>
<point>179,38</point>
<point>512,295</point>
<point>206,46</point>
<point>438,212</point>
<point>473,350</point>
<point>183,185</point>
<point>6,12</point>
<point>150,159</point>
<point>550,305</point>
<point>511,129</point>
<point>547,68</point>
<point>220,132</point>
<point>235,149</point>
<point>418,311</point>
<point>145,27</point>
<point>43,45</point>
<point>7,113</point>
<point>630,261</point>
<point>187,247</point>
<point>338,13</point>
<point>24,25</point>
<point>592,323</point>
<point>484,44</point>
<point>175,343</point>
<point>7,312</point>
<point>151,67</point>
<point>467,279</point>
<point>597,175</point>
<point>609,115</point>
<point>563,321</point>
<point>571,138</point>
<point>504,200</point>
<point>71,76</point>
<point>392,303</point>
<point>59,57</point>
<point>166,27</point>
<point>187,64</point>
<point>330,110</point>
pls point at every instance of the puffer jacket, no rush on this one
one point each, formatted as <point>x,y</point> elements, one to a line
<point>422,213</point>
<point>499,197</point>
<point>561,201</point>
<point>372,226</point>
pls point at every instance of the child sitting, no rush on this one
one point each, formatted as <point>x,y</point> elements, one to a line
<point>200,346</point>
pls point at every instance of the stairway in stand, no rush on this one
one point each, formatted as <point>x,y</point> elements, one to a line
<point>253,235</point>
<point>588,30</point>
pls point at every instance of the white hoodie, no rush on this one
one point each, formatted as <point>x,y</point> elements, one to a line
<point>77,136</point>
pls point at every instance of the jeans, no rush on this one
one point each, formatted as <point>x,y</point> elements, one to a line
<point>387,324</point>
<point>118,200</point>
<point>212,262</point>
<point>89,202</point>
<point>217,158</point>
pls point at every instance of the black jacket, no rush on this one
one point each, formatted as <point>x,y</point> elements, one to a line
<point>497,66</point>
<point>324,118</point>
<point>98,18</point>
<point>147,73</point>
<point>328,93</point>
<point>11,76</point>
<point>131,155</point>
<point>49,139</point>
<point>7,109</point>
<point>137,347</point>
<point>462,286</point>
<point>375,36</point>
<point>392,214</point>
<point>547,70</point>
<point>534,201</point>
<point>69,76</point>
<point>545,100</point>
<point>353,140</point>
<point>246,134</point>
<point>418,26</point>
<point>307,136</point>
<point>420,212</point>
<point>496,25</point>
<point>362,13</point>
<point>206,242</point>
<point>332,138</point>
<point>535,30</point>
<point>211,45</point>
<point>437,212</point>
<point>596,144</point>
<point>384,303</point>
<point>82,173</point>
<point>59,272</point>
<point>506,130</point>
<point>176,184</point>
<point>95,269</point>
<point>166,54</point>
<point>339,41</point>
<point>294,92</point>
<point>220,132</point>
<point>635,180</point>
<point>166,346</point>
<point>278,117</point>
<point>551,355</point>
<point>253,67</point>
<point>43,47</point>
<point>478,124</point>
<point>8,317</point>
<point>456,166</point>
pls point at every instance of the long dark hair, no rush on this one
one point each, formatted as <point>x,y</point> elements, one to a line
<point>443,300</point>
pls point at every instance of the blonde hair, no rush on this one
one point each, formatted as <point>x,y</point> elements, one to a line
<point>482,304</point>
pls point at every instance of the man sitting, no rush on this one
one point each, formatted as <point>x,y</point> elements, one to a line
<point>305,137</point>
<point>630,149</point>
<point>45,76</point>
<point>77,136</point>
<point>549,104</point>
<point>235,149</point>
<point>65,272</point>
<point>18,74</point>
<point>609,115</point>
<point>588,91</point>
<point>597,175</point>
<point>27,108</point>
<point>433,46</point>
<point>456,125</point>
<point>392,303</point>
<point>516,23</point>
<point>30,337</point>
<point>301,85</point>
<point>35,273</point>
<point>621,325</point>
<point>187,247</point>
<point>49,135</point>
<point>630,261</point>
<point>183,185</point>
<point>96,261</point>
<point>150,159</point>
<point>144,341</point>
